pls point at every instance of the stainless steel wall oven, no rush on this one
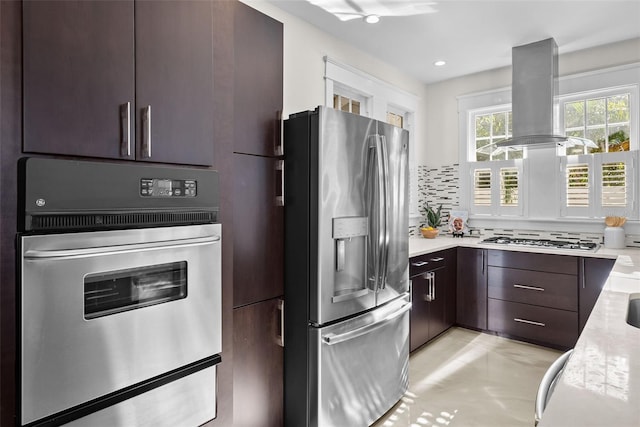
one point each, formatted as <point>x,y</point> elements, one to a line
<point>119,293</point>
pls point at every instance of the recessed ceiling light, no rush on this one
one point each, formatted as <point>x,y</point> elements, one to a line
<point>372,19</point>
<point>439,63</point>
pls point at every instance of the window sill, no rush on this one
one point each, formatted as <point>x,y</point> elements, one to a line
<point>577,225</point>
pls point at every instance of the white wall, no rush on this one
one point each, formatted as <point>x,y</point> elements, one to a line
<point>305,46</point>
<point>442,104</point>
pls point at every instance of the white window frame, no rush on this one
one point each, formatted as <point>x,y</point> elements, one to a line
<point>576,85</point>
<point>380,97</point>
<point>496,209</point>
<point>601,93</point>
<point>348,92</point>
<point>595,162</point>
<point>468,164</point>
<point>602,83</point>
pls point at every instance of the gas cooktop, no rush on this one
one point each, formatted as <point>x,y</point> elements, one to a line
<point>542,243</point>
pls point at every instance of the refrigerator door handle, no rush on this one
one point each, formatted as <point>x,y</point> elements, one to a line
<point>374,209</point>
<point>332,339</point>
<point>386,203</point>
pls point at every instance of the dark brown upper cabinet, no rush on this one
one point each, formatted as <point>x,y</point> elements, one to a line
<point>120,80</point>
<point>258,49</point>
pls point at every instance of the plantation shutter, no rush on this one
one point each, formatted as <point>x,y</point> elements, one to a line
<point>482,187</point>
<point>509,186</point>
<point>577,188</point>
<point>614,184</point>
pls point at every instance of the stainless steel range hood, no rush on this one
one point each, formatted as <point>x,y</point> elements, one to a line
<point>535,97</point>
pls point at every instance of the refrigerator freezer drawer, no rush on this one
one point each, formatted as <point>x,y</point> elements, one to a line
<point>361,366</point>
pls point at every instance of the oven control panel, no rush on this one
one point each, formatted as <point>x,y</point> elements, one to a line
<point>158,187</point>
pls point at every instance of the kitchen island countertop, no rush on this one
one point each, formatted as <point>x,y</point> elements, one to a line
<point>600,385</point>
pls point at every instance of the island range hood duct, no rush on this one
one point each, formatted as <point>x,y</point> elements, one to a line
<point>535,98</point>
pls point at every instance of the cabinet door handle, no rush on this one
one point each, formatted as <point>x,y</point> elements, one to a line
<point>529,322</point>
<point>482,261</point>
<point>433,285</point>
<point>146,132</point>
<point>419,263</point>
<point>529,288</point>
<point>410,291</point>
<point>438,259</point>
<point>582,273</point>
<point>125,129</point>
<point>280,337</point>
<point>280,176</point>
<point>278,138</point>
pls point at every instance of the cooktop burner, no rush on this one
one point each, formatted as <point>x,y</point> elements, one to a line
<point>543,243</point>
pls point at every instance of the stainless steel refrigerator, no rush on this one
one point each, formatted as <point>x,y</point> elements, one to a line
<point>347,300</point>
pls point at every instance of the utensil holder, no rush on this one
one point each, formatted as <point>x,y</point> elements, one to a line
<point>614,238</point>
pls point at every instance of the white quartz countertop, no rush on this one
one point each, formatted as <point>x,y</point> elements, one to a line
<point>600,385</point>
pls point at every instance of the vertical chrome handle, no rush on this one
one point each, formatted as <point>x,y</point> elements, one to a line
<point>385,205</point>
<point>582,273</point>
<point>482,261</point>
<point>410,291</point>
<point>280,337</point>
<point>433,286</point>
<point>125,129</point>
<point>278,137</point>
<point>146,132</point>
<point>280,175</point>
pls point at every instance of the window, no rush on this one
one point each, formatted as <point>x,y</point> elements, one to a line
<point>395,119</point>
<point>571,183</point>
<point>599,181</point>
<point>490,129</point>
<point>497,187</point>
<point>599,185</point>
<point>496,171</point>
<point>604,119</point>
<point>346,104</point>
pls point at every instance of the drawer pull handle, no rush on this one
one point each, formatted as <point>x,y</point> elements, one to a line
<point>530,288</point>
<point>438,259</point>
<point>419,263</point>
<point>529,322</point>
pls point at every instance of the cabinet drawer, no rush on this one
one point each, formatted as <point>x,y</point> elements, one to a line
<point>540,324</point>
<point>534,287</point>
<point>529,261</point>
<point>427,262</point>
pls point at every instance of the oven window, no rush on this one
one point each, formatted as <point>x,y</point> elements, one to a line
<point>116,291</point>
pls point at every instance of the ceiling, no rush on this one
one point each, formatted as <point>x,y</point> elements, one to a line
<point>475,35</point>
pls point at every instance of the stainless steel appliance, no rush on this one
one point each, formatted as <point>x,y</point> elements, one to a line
<point>542,243</point>
<point>120,294</point>
<point>346,268</point>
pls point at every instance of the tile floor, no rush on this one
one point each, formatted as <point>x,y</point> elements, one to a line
<point>466,378</point>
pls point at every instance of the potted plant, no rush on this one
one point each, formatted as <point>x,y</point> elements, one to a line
<point>434,220</point>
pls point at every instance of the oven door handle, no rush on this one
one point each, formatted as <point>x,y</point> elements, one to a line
<point>63,254</point>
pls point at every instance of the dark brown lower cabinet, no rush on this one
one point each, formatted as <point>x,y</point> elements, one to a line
<point>257,365</point>
<point>533,323</point>
<point>471,297</point>
<point>533,297</point>
<point>433,290</point>
<point>594,274</point>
